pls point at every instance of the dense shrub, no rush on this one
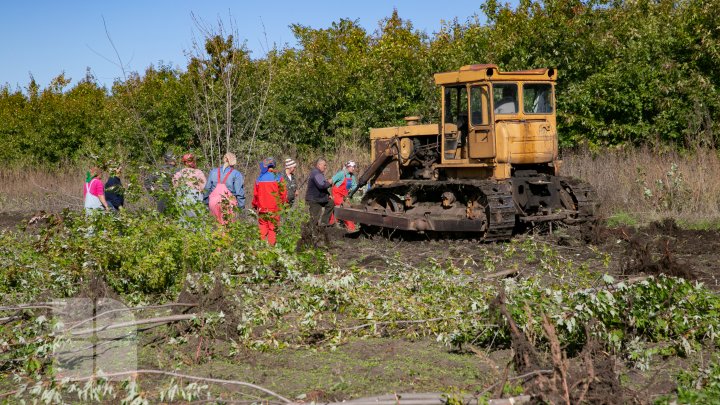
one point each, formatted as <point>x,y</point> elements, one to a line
<point>140,254</point>
<point>629,72</point>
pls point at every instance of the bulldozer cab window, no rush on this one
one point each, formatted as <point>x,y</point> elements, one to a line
<point>479,105</point>
<point>505,98</point>
<point>537,98</point>
<point>456,105</point>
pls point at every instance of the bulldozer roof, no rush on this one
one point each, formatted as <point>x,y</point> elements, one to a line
<point>489,72</point>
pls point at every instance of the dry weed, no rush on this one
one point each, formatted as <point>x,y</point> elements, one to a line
<point>651,185</point>
<point>646,184</point>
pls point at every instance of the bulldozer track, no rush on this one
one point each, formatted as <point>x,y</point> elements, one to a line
<point>500,211</point>
<point>584,195</point>
<point>496,199</point>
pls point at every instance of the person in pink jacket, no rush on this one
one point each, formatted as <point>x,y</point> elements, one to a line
<point>94,192</point>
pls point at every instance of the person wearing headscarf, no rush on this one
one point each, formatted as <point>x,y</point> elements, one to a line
<point>291,185</point>
<point>189,183</point>
<point>114,190</point>
<point>343,183</point>
<point>225,190</point>
<point>94,192</point>
<point>269,195</point>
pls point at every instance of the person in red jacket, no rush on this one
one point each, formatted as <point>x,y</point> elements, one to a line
<point>268,197</point>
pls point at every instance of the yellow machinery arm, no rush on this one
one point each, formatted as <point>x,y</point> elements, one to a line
<point>382,157</point>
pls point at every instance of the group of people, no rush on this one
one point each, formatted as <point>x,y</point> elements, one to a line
<point>223,192</point>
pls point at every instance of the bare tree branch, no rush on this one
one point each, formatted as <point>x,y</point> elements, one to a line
<point>134,373</point>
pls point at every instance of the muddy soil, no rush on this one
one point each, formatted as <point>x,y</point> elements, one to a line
<point>9,220</point>
<point>660,248</point>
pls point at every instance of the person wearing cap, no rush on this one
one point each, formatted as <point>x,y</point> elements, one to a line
<point>225,190</point>
<point>189,183</point>
<point>269,195</point>
<point>317,196</point>
<point>344,182</point>
<point>159,183</point>
<point>290,180</point>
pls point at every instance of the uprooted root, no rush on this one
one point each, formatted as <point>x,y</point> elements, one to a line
<point>588,378</point>
<point>312,236</point>
<point>214,300</point>
<point>641,253</point>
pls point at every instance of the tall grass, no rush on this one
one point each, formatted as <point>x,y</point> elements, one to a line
<point>639,182</point>
<point>34,188</point>
<point>651,185</point>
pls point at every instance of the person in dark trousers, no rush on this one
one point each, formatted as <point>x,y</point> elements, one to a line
<point>291,185</point>
<point>159,183</point>
<point>114,190</point>
<point>318,195</point>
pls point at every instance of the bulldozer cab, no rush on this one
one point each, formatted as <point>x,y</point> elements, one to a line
<point>493,118</point>
<point>467,128</point>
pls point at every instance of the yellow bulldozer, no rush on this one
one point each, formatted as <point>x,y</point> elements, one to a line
<point>490,167</point>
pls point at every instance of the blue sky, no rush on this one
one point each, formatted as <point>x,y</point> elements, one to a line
<point>46,38</point>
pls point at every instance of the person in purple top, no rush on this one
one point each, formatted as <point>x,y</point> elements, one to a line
<point>317,196</point>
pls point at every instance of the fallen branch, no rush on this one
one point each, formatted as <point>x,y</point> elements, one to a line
<point>500,274</point>
<point>129,309</point>
<point>7,394</point>
<point>28,306</point>
<point>632,280</point>
<point>134,373</point>
<point>428,399</point>
<point>106,341</point>
<point>519,377</point>
<point>162,319</point>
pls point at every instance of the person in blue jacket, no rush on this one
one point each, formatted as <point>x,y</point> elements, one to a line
<point>232,178</point>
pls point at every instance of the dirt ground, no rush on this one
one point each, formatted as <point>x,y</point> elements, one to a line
<point>383,365</point>
<point>661,247</point>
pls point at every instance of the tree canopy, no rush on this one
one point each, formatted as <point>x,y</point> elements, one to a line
<point>630,72</point>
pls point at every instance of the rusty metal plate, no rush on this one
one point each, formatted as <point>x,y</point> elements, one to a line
<point>406,223</point>
<point>391,170</point>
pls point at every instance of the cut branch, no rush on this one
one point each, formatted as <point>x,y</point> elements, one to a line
<point>134,373</point>
<point>632,280</point>
<point>180,304</point>
<point>162,319</point>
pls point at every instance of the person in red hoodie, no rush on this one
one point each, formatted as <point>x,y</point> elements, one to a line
<point>268,197</point>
